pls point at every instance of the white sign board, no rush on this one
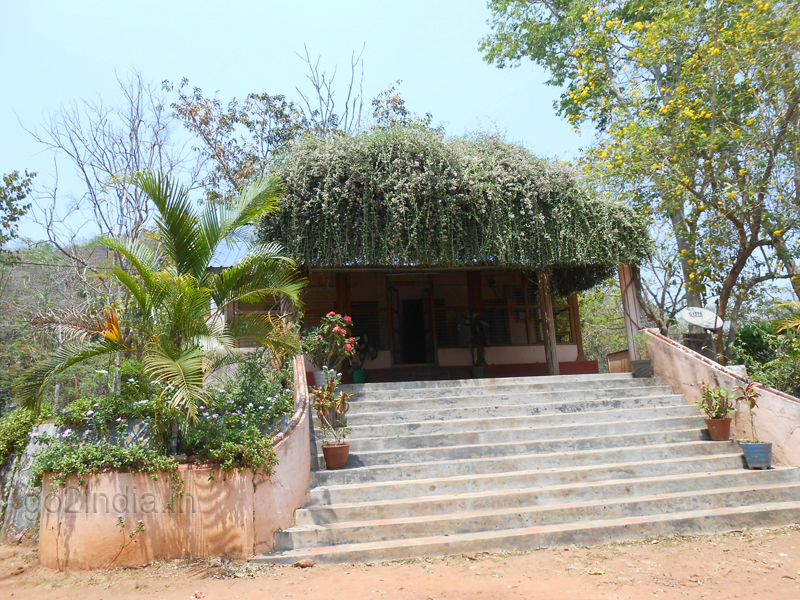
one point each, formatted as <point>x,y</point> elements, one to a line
<point>700,317</point>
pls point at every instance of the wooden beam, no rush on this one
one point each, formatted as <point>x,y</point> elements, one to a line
<point>342,294</point>
<point>548,323</point>
<point>575,319</point>
<point>630,308</point>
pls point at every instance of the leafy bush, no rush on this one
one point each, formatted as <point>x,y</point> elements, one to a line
<point>771,358</point>
<point>231,428</point>
<point>16,427</point>
<point>241,449</point>
<point>67,459</point>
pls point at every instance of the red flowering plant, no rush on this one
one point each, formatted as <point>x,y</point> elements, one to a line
<point>331,343</point>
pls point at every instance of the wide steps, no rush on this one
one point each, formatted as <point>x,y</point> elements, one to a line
<point>526,447</point>
<point>360,406</point>
<point>519,434</point>
<point>516,480</point>
<point>514,410</point>
<point>538,496</point>
<point>532,516</point>
<point>399,430</point>
<point>446,467</point>
<point>696,522</point>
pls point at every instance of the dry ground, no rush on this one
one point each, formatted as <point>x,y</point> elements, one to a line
<point>757,564</point>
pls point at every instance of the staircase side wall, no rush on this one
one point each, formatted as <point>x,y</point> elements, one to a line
<point>776,419</point>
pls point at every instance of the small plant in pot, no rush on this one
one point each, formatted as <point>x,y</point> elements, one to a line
<point>331,409</point>
<point>329,345</point>
<point>364,350</point>
<point>757,455</point>
<point>643,365</point>
<point>479,339</point>
<point>716,403</point>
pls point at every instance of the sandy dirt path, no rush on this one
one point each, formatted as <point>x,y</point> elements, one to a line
<point>761,564</point>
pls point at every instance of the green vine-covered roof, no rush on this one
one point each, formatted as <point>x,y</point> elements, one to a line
<point>409,196</point>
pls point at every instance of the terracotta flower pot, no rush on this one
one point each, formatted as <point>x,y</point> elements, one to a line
<point>336,455</point>
<point>719,429</point>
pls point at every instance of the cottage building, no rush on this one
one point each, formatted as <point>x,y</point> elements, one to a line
<point>412,233</point>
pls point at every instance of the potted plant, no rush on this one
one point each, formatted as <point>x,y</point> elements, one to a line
<point>331,409</point>
<point>363,350</point>
<point>757,455</point>
<point>329,344</point>
<point>479,339</point>
<point>716,403</point>
<point>643,365</point>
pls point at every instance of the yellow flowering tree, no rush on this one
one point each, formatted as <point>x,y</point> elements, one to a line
<point>696,108</point>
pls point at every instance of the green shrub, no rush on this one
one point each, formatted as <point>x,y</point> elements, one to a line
<point>241,449</point>
<point>68,458</point>
<point>16,427</point>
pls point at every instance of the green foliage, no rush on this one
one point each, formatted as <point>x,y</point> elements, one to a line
<point>696,109</point>
<point>68,459</point>
<point>602,322</point>
<point>715,402</point>
<point>771,357</point>
<point>233,425</point>
<point>13,192</point>
<point>15,430</point>
<point>241,449</point>
<point>406,195</point>
<point>169,322</point>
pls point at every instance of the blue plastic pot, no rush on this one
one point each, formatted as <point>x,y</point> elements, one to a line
<point>758,456</point>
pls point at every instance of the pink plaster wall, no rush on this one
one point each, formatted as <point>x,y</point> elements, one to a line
<point>276,498</point>
<point>776,419</point>
<point>79,529</point>
<point>229,514</point>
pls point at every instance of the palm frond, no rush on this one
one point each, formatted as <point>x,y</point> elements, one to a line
<point>182,376</point>
<point>227,221</point>
<point>792,322</point>
<point>79,325</point>
<point>268,330</point>
<point>29,389</point>
<point>262,273</point>
<point>176,220</point>
<point>141,257</point>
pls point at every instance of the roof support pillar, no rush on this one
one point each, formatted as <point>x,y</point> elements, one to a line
<point>630,308</point>
<point>548,323</point>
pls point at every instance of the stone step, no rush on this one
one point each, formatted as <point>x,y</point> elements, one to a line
<point>713,520</point>
<point>359,407</point>
<point>523,462</point>
<point>516,434</point>
<point>514,480</point>
<point>450,413</point>
<point>540,496</point>
<point>500,386</point>
<point>521,517</point>
<point>495,423</point>
<point>514,448</point>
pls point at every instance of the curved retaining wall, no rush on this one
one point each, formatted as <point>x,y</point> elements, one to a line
<point>776,419</point>
<point>227,514</point>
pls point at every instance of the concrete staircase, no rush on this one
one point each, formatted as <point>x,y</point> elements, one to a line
<point>446,467</point>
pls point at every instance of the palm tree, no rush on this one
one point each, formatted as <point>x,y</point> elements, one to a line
<point>793,321</point>
<point>173,322</point>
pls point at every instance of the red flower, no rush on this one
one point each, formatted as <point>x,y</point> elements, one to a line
<point>347,347</point>
<point>343,332</point>
<point>348,320</point>
<point>337,329</point>
<point>330,314</point>
<point>352,340</point>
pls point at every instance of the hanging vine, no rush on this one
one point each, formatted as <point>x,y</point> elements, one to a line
<point>409,196</point>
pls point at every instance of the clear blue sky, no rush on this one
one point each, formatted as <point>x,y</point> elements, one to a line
<point>56,51</point>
